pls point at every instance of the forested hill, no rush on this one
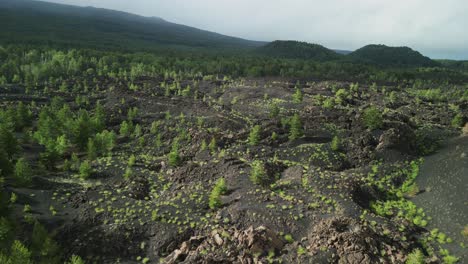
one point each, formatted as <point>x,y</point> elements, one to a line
<point>391,56</point>
<point>33,22</point>
<point>297,50</point>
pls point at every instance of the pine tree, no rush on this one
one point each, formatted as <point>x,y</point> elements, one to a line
<point>254,136</point>
<point>295,131</point>
<point>274,110</point>
<point>8,141</point>
<point>85,170</point>
<point>297,96</point>
<point>174,158</point>
<point>257,172</point>
<point>213,145</point>
<point>23,173</point>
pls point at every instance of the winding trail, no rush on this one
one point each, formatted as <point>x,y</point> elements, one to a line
<point>444,176</point>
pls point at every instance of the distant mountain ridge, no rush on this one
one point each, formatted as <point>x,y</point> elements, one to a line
<point>37,21</point>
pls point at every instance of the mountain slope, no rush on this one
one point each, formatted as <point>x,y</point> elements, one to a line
<point>391,56</point>
<point>26,21</point>
<point>297,50</point>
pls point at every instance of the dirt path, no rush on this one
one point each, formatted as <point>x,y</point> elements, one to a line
<point>444,176</point>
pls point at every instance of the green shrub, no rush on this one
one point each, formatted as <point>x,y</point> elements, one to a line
<point>154,127</point>
<point>254,136</point>
<point>23,173</point>
<point>372,118</point>
<point>295,130</point>
<point>137,131</point>
<point>5,229</point>
<point>132,113</point>
<point>274,110</point>
<point>218,190</point>
<point>131,160</point>
<point>328,103</point>
<point>126,128</point>
<point>85,170</point>
<point>75,260</point>
<point>19,254</point>
<point>274,136</point>
<point>258,174</point>
<point>415,257</point>
<point>105,142</point>
<point>128,173</point>
<point>457,120</point>
<point>297,96</point>
<point>8,141</point>
<point>174,157</point>
<point>289,238</point>
<point>336,143</point>
<point>213,145</point>
<point>203,145</point>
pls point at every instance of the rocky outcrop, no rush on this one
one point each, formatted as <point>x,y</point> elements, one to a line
<point>228,246</point>
<point>354,243</point>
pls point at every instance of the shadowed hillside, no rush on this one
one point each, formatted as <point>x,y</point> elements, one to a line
<point>25,21</point>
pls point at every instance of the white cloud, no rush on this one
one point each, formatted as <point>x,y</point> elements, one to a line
<point>436,28</point>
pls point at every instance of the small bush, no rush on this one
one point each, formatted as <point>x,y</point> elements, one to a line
<point>297,96</point>
<point>258,173</point>
<point>218,190</point>
<point>75,260</point>
<point>19,253</point>
<point>128,173</point>
<point>126,128</point>
<point>213,145</point>
<point>457,120</point>
<point>336,143</point>
<point>173,157</point>
<point>372,118</point>
<point>5,229</point>
<point>254,136</point>
<point>131,160</point>
<point>415,257</point>
<point>274,110</point>
<point>85,170</point>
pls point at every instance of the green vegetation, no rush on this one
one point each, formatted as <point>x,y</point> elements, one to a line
<point>415,257</point>
<point>372,118</point>
<point>295,130</point>
<point>297,96</point>
<point>23,172</point>
<point>257,173</point>
<point>85,170</point>
<point>336,143</point>
<point>254,136</point>
<point>174,157</point>
<point>218,190</point>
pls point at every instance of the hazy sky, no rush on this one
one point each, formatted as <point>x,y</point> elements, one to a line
<point>436,28</point>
